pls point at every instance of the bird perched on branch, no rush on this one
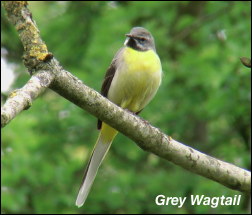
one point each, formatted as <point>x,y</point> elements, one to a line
<point>131,82</point>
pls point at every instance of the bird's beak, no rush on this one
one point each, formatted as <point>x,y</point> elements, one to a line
<point>128,35</point>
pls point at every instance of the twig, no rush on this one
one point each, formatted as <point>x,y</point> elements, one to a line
<point>21,99</point>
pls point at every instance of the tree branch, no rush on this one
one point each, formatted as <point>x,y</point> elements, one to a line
<point>35,57</point>
<point>146,136</point>
<point>35,50</point>
<point>21,99</point>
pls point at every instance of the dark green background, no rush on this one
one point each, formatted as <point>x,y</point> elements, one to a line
<point>204,102</point>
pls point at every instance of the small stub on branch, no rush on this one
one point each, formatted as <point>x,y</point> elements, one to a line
<point>246,61</point>
<point>170,138</point>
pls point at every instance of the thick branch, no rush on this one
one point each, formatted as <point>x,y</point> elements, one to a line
<point>146,136</point>
<point>35,49</point>
<point>21,99</point>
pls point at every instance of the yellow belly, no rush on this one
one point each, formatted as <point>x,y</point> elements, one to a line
<point>136,80</point>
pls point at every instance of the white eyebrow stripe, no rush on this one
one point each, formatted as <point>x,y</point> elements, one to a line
<point>126,41</point>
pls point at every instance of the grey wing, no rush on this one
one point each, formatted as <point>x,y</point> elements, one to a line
<point>108,79</point>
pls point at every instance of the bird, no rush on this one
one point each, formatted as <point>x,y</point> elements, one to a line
<point>131,82</point>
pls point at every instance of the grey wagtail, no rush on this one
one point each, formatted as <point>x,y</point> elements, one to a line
<point>131,82</point>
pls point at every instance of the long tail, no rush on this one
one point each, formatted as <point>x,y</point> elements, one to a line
<point>101,148</point>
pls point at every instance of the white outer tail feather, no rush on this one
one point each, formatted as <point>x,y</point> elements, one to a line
<point>99,152</point>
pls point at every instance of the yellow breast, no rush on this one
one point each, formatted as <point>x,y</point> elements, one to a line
<point>139,61</point>
<point>136,80</point>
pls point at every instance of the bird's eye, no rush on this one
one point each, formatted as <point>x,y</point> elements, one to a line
<point>141,40</point>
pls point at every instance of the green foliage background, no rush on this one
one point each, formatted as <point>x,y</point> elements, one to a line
<point>204,101</point>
